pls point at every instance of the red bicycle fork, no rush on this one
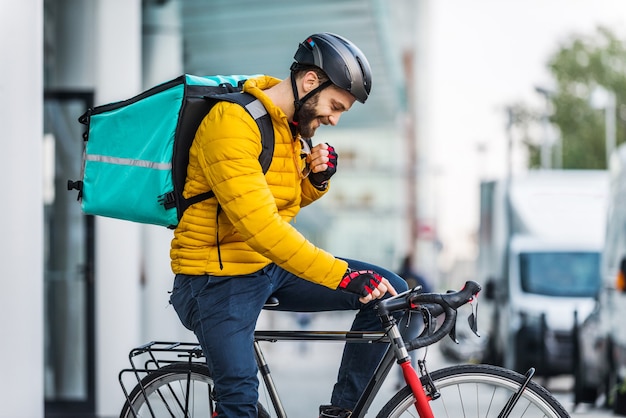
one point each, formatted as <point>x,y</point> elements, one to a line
<point>422,401</point>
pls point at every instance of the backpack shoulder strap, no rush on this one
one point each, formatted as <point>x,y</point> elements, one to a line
<point>263,120</point>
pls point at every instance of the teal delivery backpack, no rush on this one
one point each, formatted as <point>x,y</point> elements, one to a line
<point>137,150</point>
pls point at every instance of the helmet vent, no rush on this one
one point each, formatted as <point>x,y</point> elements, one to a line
<point>363,71</point>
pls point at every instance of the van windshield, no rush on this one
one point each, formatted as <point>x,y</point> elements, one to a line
<point>569,274</point>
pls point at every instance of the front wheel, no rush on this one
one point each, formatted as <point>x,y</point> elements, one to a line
<point>477,391</point>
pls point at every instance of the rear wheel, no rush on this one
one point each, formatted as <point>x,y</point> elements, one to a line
<point>175,390</point>
<point>478,391</point>
<point>170,391</point>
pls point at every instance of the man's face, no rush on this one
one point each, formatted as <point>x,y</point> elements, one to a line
<point>324,108</point>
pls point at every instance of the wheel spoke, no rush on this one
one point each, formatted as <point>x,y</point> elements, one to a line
<point>479,391</point>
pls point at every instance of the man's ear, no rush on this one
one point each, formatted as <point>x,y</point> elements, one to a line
<point>309,81</point>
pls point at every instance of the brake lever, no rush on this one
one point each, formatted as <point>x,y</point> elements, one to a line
<point>452,333</point>
<point>473,317</point>
<point>428,321</point>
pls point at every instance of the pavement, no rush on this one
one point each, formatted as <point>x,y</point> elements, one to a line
<point>304,372</point>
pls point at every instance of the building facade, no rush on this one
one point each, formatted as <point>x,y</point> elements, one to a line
<point>82,291</point>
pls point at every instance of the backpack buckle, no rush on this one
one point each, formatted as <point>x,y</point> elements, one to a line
<point>167,200</point>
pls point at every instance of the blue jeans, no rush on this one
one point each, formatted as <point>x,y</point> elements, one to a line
<point>223,311</point>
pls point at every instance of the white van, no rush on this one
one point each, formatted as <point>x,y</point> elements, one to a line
<point>540,239</point>
<point>601,340</point>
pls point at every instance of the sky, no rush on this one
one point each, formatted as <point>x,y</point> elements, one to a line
<point>478,57</point>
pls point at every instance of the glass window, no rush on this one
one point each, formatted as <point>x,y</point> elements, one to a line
<point>68,259</point>
<point>568,274</point>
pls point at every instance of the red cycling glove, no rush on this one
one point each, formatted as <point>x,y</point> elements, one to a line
<point>360,282</point>
<point>320,180</point>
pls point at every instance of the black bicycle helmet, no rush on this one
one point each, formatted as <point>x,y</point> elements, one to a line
<point>343,62</point>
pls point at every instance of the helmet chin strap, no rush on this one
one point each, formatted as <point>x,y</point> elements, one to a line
<point>298,102</point>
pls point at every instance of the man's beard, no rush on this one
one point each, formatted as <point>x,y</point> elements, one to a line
<point>307,116</point>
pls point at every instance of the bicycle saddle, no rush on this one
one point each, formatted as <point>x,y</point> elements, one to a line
<point>271,302</point>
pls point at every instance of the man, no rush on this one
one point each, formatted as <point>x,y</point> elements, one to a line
<point>231,253</point>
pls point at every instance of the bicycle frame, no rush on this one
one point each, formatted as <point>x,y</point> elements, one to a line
<point>192,351</point>
<point>373,386</point>
<point>397,351</point>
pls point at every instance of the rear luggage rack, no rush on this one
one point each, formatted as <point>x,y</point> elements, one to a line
<point>157,354</point>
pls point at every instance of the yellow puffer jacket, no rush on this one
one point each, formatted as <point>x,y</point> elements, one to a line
<point>254,223</point>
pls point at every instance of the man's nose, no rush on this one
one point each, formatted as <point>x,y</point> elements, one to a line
<point>334,119</point>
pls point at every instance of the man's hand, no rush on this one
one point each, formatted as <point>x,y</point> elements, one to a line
<point>323,164</point>
<point>367,284</point>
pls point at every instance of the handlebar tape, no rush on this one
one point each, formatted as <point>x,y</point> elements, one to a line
<point>436,303</point>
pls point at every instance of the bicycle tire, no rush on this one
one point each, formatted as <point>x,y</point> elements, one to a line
<point>481,389</point>
<point>166,387</point>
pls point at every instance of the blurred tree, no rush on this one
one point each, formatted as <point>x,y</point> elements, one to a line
<point>582,67</point>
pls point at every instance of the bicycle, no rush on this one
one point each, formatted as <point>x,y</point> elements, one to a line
<point>167,386</point>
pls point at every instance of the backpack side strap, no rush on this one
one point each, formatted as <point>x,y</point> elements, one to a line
<point>258,112</point>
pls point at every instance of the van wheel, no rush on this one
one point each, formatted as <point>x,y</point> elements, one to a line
<point>611,379</point>
<point>619,403</point>
<point>582,392</point>
<point>492,356</point>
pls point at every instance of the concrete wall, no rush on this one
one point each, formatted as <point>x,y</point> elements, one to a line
<point>21,223</point>
<point>117,69</point>
<point>162,60</point>
<point>98,47</point>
